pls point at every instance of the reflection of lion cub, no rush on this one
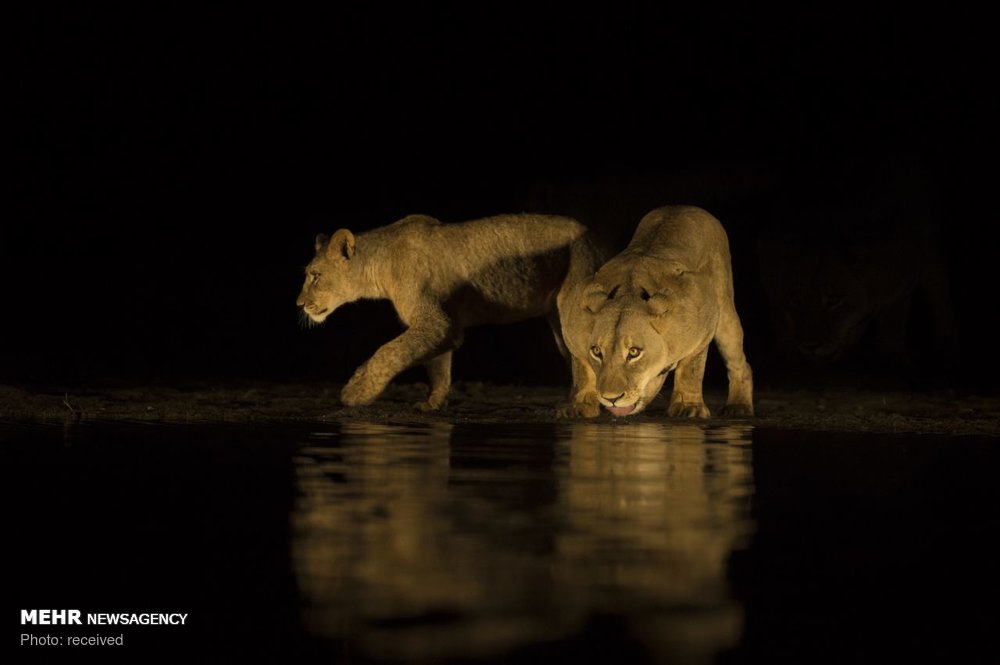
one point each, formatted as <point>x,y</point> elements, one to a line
<point>654,308</point>
<point>442,278</point>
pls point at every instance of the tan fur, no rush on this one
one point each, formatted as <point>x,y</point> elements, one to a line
<point>663,300</point>
<point>443,278</point>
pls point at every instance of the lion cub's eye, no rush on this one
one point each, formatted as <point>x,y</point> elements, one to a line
<point>596,352</point>
<point>313,277</point>
<point>634,352</point>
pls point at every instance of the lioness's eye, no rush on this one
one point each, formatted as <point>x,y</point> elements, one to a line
<point>634,352</point>
<point>596,352</point>
<point>313,277</point>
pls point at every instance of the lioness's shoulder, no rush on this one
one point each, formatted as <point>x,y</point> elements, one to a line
<point>677,217</point>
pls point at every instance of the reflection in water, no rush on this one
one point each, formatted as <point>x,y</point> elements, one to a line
<point>652,512</point>
<point>441,541</point>
<point>369,534</point>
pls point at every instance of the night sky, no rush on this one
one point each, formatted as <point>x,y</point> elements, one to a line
<point>171,167</point>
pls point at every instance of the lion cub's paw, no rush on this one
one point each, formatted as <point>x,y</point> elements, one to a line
<point>578,410</point>
<point>688,410</point>
<point>358,392</point>
<point>431,404</point>
<point>737,411</point>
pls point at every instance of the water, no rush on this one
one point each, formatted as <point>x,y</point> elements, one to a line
<point>636,542</point>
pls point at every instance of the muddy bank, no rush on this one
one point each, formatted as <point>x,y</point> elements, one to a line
<point>830,410</point>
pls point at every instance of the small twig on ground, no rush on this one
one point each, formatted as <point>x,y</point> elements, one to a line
<point>68,405</point>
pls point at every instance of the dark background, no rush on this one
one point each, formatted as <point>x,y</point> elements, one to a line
<point>171,167</point>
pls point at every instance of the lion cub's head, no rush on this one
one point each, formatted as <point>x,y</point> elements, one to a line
<point>328,284</point>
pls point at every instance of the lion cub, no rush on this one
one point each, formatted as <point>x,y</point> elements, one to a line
<point>653,309</point>
<point>443,278</point>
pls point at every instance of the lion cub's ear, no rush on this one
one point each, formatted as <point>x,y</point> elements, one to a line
<point>341,245</point>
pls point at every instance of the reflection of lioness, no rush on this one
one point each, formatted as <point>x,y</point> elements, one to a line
<point>654,308</point>
<point>442,278</point>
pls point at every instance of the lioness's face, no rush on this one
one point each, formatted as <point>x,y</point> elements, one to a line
<point>630,358</point>
<point>328,284</point>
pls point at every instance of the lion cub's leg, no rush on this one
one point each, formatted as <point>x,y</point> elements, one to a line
<point>428,335</point>
<point>686,400</point>
<point>583,398</point>
<point>729,339</point>
<point>439,374</point>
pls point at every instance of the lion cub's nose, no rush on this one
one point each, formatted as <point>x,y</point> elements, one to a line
<point>614,399</point>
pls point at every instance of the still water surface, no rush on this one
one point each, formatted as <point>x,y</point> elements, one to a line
<point>443,541</point>
<point>580,542</point>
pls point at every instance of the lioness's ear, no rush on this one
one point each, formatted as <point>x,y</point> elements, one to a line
<point>676,268</point>
<point>321,240</point>
<point>341,245</point>
<point>594,301</point>
<point>595,296</point>
<point>657,303</point>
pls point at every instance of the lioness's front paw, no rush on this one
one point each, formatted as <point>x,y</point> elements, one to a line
<point>737,411</point>
<point>688,410</point>
<point>578,410</point>
<point>359,391</point>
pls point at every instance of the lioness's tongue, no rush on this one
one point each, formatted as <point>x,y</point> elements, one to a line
<point>619,411</point>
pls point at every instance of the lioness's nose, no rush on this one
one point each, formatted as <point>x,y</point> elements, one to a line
<point>299,302</point>
<point>614,399</point>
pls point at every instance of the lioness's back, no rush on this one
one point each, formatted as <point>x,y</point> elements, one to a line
<point>679,228</point>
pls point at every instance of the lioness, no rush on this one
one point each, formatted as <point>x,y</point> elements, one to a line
<point>652,309</point>
<point>443,278</point>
